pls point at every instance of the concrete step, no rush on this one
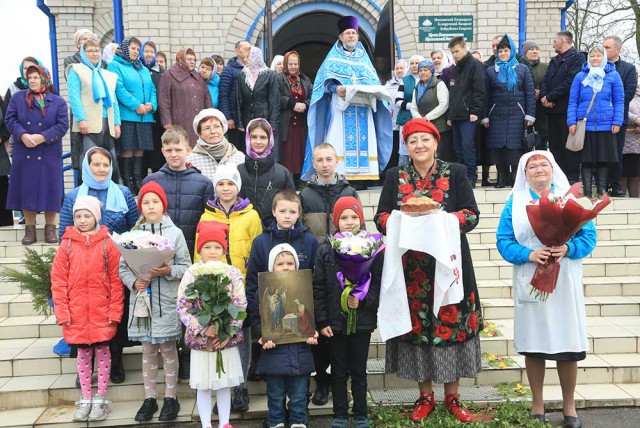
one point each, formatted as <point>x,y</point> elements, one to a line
<point>604,249</point>
<point>628,286</point>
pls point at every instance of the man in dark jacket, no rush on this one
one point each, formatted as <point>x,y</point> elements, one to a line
<point>627,72</point>
<point>466,100</point>
<point>228,93</point>
<point>554,96</point>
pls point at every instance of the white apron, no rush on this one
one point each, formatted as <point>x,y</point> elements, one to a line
<point>558,324</point>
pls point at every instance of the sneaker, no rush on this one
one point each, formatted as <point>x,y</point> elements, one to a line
<point>361,422</point>
<point>280,425</point>
<point>340,423</point>
<point>83,409</point>
<point>99,408</point>
<point>227,426</point>
<point>146,411</point>
<point>298,426</point>
<point>170,409</point>
<point>240,401</point>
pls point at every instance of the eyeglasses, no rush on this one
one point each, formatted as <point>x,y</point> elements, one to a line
<point>92,51</point>
<point>211,128</point>
<point>534,166</point>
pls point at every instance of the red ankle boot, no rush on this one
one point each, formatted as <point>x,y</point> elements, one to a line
<point>457,409</point>
<point>424,405</point>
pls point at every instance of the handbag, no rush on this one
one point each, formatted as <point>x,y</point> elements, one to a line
<point>575,142</point>
<point>531,140</point>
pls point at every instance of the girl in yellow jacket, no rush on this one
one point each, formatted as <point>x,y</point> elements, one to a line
<point>244,226</point>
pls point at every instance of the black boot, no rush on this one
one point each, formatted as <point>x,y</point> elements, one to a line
<point>587,175</point>
<point>117,374</point>
<point>138,174</point>
<point>126,173</point>
<point>240,400</point>
<point>321,396</point>
<point>253,375</point>
<point>184,365</point>
<point>146,411</point>
<point>601,180</point>
<point>170,409</point>
<point>485,180</point>
<point>502,176</point>
<point>512,175</point>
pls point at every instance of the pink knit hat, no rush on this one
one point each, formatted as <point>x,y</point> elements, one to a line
<point>91,204</point>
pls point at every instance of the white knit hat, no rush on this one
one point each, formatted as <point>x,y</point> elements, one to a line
<point>282,248</point>
<point>227,172</point>
<point>207,113</point>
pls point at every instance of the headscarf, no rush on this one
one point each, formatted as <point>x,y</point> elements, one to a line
<point>81,32</point>
<point>116,201</point>
<point>413,58</point>
<point>285,61</point>
<point>47,86</point>
<point>422,89</point>
<point>247,139</point>
<point>278,59</point>
<point>181,58</point>
<point>123,52</point>
<point>446,61</point>
<point>406,70</point>
<point>506,69</point>
<point>155,50</point>
<point>23,78</point>
<point>559,179</point>
<point>108,52</point>
<point>595,78</point>
<point>255,66</point>
<point>98,84</point>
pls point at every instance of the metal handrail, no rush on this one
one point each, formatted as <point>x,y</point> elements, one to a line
<point>66,168</point>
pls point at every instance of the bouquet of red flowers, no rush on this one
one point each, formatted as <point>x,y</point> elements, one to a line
<point>555,219</point>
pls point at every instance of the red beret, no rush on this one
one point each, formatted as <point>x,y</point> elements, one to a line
<point>212,231</point>
<point>347,203</point>
<point>152,187</point>
<point>419,125</point>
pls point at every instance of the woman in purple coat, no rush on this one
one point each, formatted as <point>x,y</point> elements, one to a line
<point>37,118</point>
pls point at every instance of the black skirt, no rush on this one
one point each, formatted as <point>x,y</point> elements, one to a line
<point>631,165</point>
<point>599,147</point>
<point>561,356</point>
<point>504,156</point>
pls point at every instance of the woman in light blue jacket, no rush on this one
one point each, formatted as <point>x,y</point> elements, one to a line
<point>598,78</point>
<point>137,100</point>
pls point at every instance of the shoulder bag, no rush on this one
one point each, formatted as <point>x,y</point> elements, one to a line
<point>575,142</point>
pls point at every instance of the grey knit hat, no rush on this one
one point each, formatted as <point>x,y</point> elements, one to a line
<point>529,45</point>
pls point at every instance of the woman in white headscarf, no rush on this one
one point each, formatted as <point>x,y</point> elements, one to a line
<point>403,104</point>
<point>259,96</point>
<point>401,69</point>
<point>598,83</point>
<point>277,64</point>
<point>556,328</point>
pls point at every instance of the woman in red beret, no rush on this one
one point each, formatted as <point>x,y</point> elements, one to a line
<point>447,347</point>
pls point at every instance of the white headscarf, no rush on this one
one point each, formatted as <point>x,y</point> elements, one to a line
<point>559,179</point>
<point>276,60</point>
<point>446,60</point>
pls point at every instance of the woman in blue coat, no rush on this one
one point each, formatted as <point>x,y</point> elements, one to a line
<point>136,95</point>
<point>598,79</point>
<point>119,213</point>
<point>37,120</point>
<point>510,106</point>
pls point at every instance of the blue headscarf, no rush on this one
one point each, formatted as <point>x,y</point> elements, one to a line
<point>506,69</point>
<point>123,52</point>
<point>115,198</point>
<point>595,78</point>
<point>155,51</point>
<point>23,78</point>
<point>98,84</point>
<point>423,88</point>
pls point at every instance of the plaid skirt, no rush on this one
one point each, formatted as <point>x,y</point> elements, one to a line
<point>135,136</point>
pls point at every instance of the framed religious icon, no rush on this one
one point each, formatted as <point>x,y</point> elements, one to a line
<point>286,306</point>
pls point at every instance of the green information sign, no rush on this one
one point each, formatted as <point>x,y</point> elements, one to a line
<point>442,28</point>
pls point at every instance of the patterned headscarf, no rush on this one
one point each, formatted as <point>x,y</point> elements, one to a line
<point>47,86</point>
<point>250,127</point>
<point>427,63</point>
<point>108,52</point>
<point>255,66</point>
<point>123,52</point>
<point>285,61</point>
<point>595,78</point>
<point>23,78</point>
<point>181,57</point>
<point>155,51</point>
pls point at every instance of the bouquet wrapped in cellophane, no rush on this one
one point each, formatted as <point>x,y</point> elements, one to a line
<point>210,298</point>
<point>355,254</point>
<point>141,252</point>
<point>555,219</point>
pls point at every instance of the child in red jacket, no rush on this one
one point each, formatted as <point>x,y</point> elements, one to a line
<point>88,299</point>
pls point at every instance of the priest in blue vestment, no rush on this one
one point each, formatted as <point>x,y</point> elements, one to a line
<point>347,109</point>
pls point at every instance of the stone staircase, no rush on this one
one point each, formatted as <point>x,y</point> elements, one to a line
<point>37,388</point>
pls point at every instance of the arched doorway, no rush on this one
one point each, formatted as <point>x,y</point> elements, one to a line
<point>312,34</point>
